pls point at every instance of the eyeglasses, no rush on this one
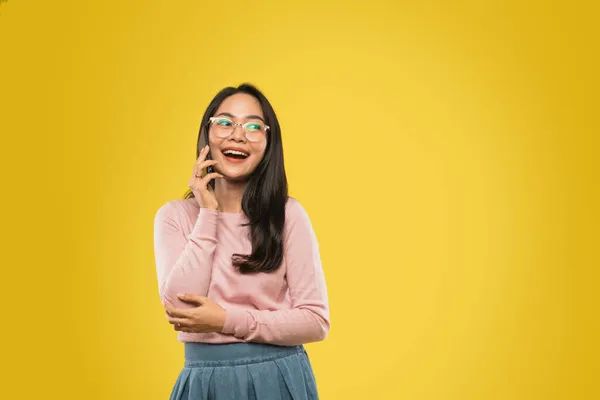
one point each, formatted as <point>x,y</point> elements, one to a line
<point>254,131</point>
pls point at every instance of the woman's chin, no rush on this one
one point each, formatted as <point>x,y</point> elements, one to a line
<point>232,174</point>
<point>234,177</point>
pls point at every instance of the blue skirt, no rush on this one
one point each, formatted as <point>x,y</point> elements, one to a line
<point>245,371</point>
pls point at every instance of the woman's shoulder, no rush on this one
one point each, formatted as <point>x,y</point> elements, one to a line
<point>292,204</point>
<point>298,223</point>
<point>294,210</point>
<point>174,209</point>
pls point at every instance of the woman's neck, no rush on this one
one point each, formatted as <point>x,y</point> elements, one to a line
<point>229,195</point>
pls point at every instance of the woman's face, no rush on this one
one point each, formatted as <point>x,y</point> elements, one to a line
<point>236,156</point>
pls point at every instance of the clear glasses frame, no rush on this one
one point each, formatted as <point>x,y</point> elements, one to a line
<point>252,134</point>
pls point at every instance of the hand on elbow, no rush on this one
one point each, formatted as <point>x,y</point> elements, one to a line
<point>206,316</point>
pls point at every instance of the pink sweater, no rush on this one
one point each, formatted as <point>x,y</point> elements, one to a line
<point>193,249</point>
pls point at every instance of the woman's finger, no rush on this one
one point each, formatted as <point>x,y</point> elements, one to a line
<point>207,178</point>
<point>179,312</point>
<point>180,328</point>
<point>181,322</point>
<point>187,328</point>
<point>201,184</point>
<point>202,155</point>
<point>198,168</point>
<point>194,329</point>
<point>206,163</point>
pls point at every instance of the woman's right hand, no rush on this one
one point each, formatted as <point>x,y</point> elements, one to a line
<point>203,192</point>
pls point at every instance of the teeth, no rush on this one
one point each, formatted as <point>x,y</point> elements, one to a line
<point>239,153</point>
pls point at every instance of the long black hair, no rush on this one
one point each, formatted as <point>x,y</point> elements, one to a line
<point>266,192</point>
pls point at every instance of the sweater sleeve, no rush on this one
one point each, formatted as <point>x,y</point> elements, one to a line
<point>308,318</point>
<point>183,263</point>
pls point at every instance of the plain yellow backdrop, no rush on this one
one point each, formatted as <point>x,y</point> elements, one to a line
<point>445,152</point>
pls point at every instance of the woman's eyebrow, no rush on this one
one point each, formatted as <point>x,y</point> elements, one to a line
<point>225,114</point>
<point>255,117</point>
<point>252,116</point>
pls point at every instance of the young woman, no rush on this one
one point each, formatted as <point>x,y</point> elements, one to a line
<point>238,264</point>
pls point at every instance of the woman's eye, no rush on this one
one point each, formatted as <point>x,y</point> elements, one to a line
<point>224,122</point>
<point>253,127</point>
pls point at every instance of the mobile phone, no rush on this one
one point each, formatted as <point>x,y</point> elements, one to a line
<point>210,168</point>
<point>201,145</point>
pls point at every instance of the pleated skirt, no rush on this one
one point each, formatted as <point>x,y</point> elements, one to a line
<point>245,371</point>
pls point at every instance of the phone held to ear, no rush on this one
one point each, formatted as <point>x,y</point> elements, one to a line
<point>210,168</point>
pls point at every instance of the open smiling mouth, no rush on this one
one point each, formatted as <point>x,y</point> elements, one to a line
<point>235,155</point>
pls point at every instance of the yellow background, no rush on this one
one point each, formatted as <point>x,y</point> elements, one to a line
<point>445,151</point>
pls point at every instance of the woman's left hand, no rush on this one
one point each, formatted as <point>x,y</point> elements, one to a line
<point>206,317</point>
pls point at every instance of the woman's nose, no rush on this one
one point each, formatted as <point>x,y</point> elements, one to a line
<point>238,134</point>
